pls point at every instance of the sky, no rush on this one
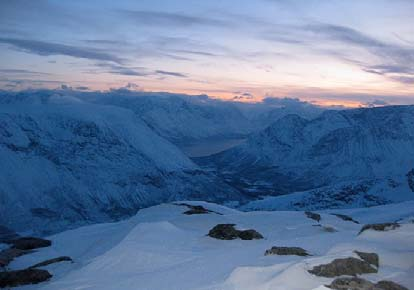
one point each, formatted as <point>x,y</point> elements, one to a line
<point>328,52</point>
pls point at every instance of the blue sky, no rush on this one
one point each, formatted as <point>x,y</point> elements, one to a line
<point>329,52</point>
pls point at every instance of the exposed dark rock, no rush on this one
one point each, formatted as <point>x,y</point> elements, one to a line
<point>250,235</point>
<point>196,209</point>
<point>29,243</point>
<point>286,251</point>
<point>351,283</point>
<point>380,227</point>
<point>8,255</point>
<point>23,277</point>
<point>410,179</point>
<point>52,261</point>
<point>346,266</point>
<point>7,234</point>
<point>312,215</point>
<point>325,228</point>
<point>345,217</point>
<point>228,232</point>
<point>371,258</point>
<point>355,283</point>
<point>389,285</point>
<point>224,232</point>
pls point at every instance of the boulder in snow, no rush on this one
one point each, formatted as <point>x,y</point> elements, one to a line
<point>345,217</point>
<point>380,227</point>
<point>371,258</point>
<point>8,255</point>
<point>195,209</point>
<point>52,261</point>
<point>346,266</point>
<point>353,283</point>
<point>23,277</point>
<point>410,179</point>
<point>283,251</point>
<point>228,232</point>
<point>312,215</point>
<point>389,285</point>
<point>29,243</point>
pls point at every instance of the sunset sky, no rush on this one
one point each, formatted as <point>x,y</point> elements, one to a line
<point>328,52</point>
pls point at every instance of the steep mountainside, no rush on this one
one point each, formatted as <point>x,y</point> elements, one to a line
<point>360,146</point>
<point>67,163</point>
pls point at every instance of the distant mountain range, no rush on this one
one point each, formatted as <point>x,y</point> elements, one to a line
<point>70,158</point>
<point>348,147</point>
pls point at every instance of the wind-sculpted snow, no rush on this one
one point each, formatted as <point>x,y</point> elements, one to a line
<point>67,163</point>
<point>161,248</point>
<point>361,146</point>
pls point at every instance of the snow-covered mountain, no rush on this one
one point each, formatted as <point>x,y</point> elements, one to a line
<point>65,162</point>
<point>349,147</point>
<point>185,119</point>
<point>181,118</point>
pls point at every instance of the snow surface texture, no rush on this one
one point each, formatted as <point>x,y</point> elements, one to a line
<point>346,151</point>
<point>67,163</point>
<point>162,249</point>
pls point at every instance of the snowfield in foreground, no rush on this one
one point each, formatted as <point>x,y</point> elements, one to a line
<point>162,248</point>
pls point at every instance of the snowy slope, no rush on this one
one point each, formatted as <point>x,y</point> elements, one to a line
<point>67,163</point>
<point>162,249</point>
<point>358,147</point>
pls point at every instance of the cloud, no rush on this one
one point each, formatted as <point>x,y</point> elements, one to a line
<point>396,62</point>
<point>170,19</point>
<point>376,103</point>
<point>82,88</point>
<point>170,73</point>
<point>21,71</point>
<point>137,71</point>
<point>344,34</point>
<point>385,69</point>
<point>126,71</point>
<point>48,48</point>
<point>284,102</point>
<point>409,80</point>
<point>243,96</point>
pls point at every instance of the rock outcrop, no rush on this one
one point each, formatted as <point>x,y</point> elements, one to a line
<point>196,209</point>
<point>346,266</point>
<point>284,251</point>
<point>228,232</point>
<point>312,215</point>
<point>345,218</point>
<point>23,277</point>
<point>355,283</point>
<point>8,255</point>
<point>371,258</point>
<point>379,227</point>
<point>351,283</point>
<point>52,261</point>
<point>410,179</point>
<point>29,243</point>
<point>389,285</point>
